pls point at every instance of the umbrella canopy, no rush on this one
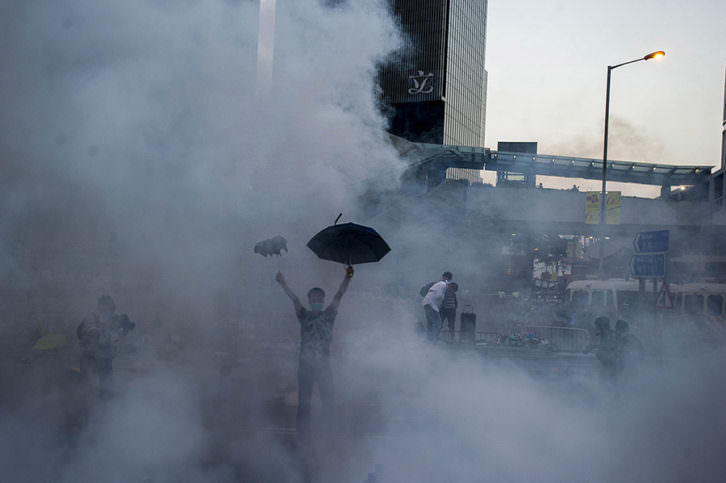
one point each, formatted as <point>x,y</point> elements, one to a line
<point>349,243</point>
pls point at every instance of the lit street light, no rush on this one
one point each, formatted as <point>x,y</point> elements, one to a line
<point>603,196</point>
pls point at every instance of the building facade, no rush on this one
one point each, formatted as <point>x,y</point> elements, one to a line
<point>723,130</point>
<point>435,86</point>
<point>718,183</point>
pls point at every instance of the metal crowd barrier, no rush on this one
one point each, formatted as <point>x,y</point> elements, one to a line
<point>562,339</point>
<point>491,338</point>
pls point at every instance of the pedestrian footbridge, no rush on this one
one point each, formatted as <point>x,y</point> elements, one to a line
<point>563,211</point>
<point>430,160</point>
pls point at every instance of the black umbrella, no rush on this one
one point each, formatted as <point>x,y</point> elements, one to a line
<point>349,243</point>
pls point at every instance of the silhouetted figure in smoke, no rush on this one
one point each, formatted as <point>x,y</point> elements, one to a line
<point>605,346</point>
<point>432,301</point>
<point>628,347</point>
<point>99,334</point>
<point>448,308</point>
<point>316,333</point>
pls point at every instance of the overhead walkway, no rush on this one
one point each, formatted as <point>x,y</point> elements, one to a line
<point>428,160</point>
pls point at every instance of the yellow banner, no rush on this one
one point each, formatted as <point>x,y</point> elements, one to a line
<point>612,215</point>
<point>592,208</point>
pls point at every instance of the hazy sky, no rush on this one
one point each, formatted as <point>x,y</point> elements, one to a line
<point>547,63</point>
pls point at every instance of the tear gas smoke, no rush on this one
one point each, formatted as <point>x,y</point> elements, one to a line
<point>627,141</point>
<point>139,161</point>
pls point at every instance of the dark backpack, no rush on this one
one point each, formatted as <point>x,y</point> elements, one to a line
<point>425,289</point>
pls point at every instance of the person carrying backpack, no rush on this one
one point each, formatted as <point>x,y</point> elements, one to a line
<point>432,302</point>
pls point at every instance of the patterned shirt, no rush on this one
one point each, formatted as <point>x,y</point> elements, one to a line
<point>450,301</point>
<point>316,333</point>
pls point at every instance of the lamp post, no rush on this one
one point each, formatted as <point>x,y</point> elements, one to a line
<point>265,44</point>
<point>603,195</point>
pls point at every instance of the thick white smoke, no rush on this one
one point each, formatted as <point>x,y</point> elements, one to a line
<point>136,131</point>
<point>140,159</point>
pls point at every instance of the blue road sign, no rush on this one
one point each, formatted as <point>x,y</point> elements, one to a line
<point>651,265</point>
<point>652,241</point>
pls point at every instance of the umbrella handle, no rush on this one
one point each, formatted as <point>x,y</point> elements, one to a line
<point>347,244</point>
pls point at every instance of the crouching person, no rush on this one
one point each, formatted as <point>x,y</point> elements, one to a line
<point>98,335</point>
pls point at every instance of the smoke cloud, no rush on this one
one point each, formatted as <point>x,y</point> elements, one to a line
<point>139,158</point>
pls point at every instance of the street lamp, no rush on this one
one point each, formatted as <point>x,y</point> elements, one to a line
<point>603,196</point>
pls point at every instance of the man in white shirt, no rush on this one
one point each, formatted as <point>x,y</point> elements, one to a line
<point>431,304</point>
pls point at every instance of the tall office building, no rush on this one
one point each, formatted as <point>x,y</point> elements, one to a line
<point>436,84</point>
<point>723,131</point>
<point>718,183</point>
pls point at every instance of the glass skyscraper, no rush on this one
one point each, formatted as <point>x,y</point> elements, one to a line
<point>435,86</point>
<point>723,131</point>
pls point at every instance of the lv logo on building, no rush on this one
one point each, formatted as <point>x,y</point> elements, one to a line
<point>421,83</point>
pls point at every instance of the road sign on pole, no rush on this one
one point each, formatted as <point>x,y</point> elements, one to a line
<point>650,265</point>
<point>652,241</point>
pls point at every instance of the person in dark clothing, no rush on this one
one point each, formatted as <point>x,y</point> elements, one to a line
<point>605,346</point>
<point>316,334</point>
<point>628,346</point>
<point>448,308</point>
<point>98,335</point>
